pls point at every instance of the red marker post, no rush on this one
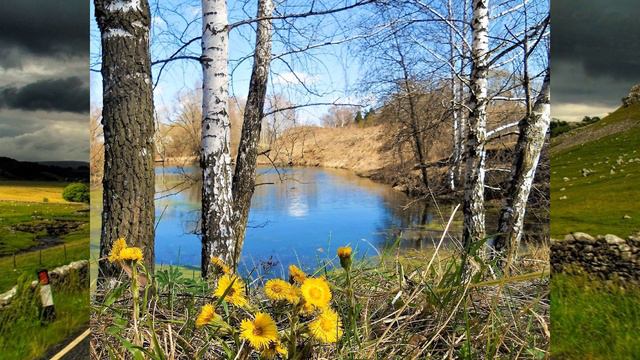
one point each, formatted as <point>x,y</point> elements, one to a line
<point>46,297</point>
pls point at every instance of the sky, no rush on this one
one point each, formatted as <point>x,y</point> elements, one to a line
<point>330,73</point>
<point>44,82</point>
<point>595,56</point>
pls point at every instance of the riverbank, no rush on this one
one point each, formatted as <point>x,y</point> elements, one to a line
<point>397,306</point>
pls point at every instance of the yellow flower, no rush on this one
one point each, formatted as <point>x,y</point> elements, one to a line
<point>116,248</point>
<point>131,254</point>
<point>316,292</point>
<point>274,349</point>
<point>236,294</point>
<point>344,253</point>
<point>277,290</point>
<point>296,275</point>
<point>307,309</point>
<point>260,332</point>
<point>207,316</point>
<point>327,328</point>
<point>220,266</point>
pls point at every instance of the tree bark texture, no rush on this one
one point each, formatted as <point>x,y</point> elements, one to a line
<point>215,156</point>
<point>533,131</point>
<point>128,123</point>
<point>245,170</point>
<point>473,205</point>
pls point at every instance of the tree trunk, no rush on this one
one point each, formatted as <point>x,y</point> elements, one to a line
<point>215,157</point>
<point>533,130</point>
<point>473,206</point>
<point>245,171</point>
<point>453,169</point>
<point>414,121</point>
<point>127,119</point>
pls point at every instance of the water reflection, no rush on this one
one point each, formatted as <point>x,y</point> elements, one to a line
<point>298,215</point>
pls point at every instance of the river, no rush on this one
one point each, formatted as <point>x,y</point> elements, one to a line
<point>298,215</point>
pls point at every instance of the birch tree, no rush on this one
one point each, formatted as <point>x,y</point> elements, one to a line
<point>473,204</point>
<point>128,126</point>
<point>532,134</point>
<point>215,158</point>
<point>245,172</point>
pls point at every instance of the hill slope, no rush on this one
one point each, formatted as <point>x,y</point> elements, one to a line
<point>596,175</point>
<point>11,169</point>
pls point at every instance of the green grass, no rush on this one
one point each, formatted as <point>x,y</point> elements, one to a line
<point>29,263</point>
<point>598,203</point>
<point>590,320</point>
<point>21,334</point>
<point>15,212</point>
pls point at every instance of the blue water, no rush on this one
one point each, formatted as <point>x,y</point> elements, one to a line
<point>302,217</point>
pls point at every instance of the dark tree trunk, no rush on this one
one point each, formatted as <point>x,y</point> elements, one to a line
<point>245,171</point>
<point>127,119</point>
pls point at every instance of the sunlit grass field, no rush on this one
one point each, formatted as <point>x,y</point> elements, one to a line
<point>29,191</point>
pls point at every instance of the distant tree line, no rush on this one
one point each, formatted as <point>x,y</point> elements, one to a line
<point>559,127</point>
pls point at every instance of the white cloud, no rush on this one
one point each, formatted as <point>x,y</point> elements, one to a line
<point>576,112</point>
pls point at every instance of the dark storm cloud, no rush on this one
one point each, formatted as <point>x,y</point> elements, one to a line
<point>595,51</point>
<point>603,35</point>
<point>36,28</point>
<point>70,94</point>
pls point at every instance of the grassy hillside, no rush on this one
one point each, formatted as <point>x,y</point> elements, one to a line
<point>595,177</point>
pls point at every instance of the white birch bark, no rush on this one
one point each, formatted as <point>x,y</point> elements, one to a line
<point>473,206</point>
<point>454,103</point>
<point>217,199</point>
<point>533,130</point>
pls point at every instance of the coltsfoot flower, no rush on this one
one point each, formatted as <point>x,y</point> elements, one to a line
<point>327,328</point>
<point>116,248</point>
<point>275,348</point>
<point>259,332</point>
<point>296,275</point>
<point>131,254</point>
<point>236,294</point>
<point>220,265</point>
<point>207,316</point>
<point>279,290</point>
<point>344,253</point>
<point>316,292</point>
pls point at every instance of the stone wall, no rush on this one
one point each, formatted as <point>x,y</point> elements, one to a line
<point>57,276</point>
<point>606,257</point>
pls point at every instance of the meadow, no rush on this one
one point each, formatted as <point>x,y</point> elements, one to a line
<point>24,223</point>
<point>594,184</point>
<point>39,229</point>
<point>594,189</point>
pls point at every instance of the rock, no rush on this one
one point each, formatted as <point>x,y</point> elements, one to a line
<point>569,237</point>
<point>564,197</point>
<point>612,239</point>
<point>563,189</point>
<point>580,236</point>
<point>565,179</point>
<point>633,97</point>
